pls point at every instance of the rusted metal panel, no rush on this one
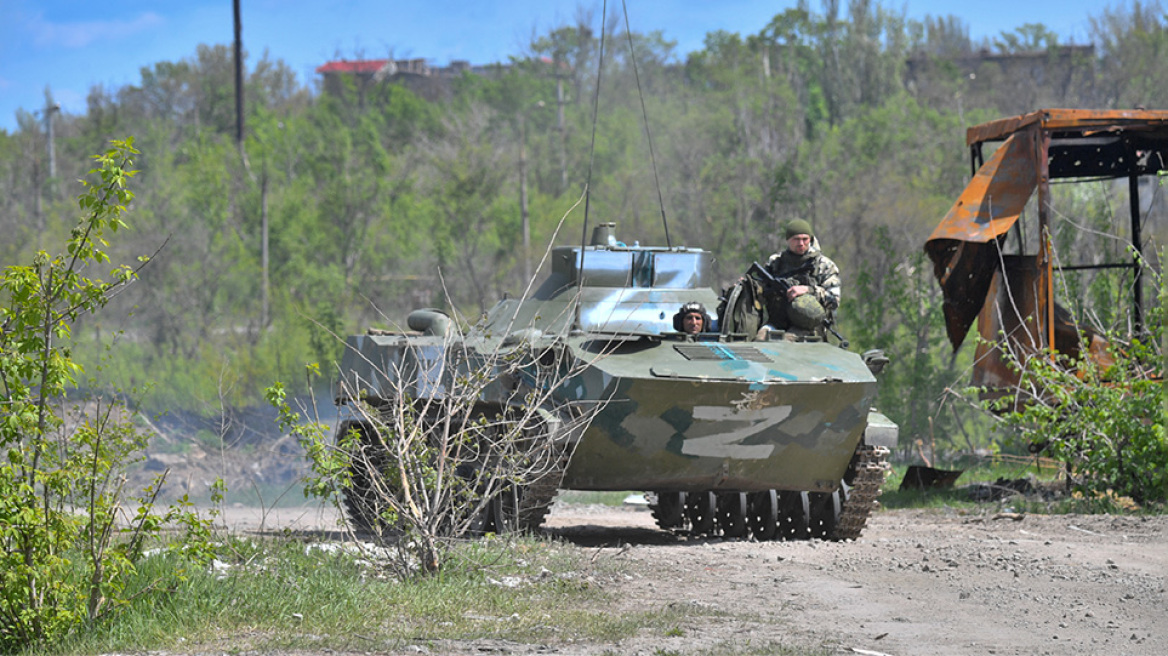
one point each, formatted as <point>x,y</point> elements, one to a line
<point>1009,321</point>
<point>964,246</point>
<point>1081,120</point>
<point>1010,310</point>
<point>1038,147</point>
<point>994,198</point>
<point>1089,144</point>
<point>1001,128</point>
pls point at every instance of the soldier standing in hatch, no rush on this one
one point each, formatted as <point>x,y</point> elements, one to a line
<point>815,295</point>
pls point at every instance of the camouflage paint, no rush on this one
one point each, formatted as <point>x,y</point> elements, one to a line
<point>679,413</point>
<point>789,422</point>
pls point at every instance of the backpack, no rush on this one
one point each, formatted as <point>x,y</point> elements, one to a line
<point>742,308</point>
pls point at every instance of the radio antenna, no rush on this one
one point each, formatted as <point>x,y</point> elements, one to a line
<point>645,116</point>
<point>592,147</point>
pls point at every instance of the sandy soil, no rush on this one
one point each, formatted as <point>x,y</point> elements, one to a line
<point>917,583</point>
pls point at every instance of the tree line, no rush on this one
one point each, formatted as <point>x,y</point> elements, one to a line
<point>377,201</point>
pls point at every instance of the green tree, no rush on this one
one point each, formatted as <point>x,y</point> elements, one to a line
<point>939,36</point>
<point>1029,38</point>
<point>370,190</point>
<point>466,175</point>
<point>894,305</point>
<point>1132,41</point>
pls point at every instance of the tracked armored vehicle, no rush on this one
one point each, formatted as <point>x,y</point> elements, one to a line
<point>727,435</point>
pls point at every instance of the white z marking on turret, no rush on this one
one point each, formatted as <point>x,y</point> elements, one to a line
<point>729,445</point>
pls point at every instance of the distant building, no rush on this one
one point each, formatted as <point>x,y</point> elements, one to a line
<point>1040,67</point>
<point>429,82</point>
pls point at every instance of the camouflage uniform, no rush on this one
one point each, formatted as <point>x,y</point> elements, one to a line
<point>823,281</point>
<point>824,278</point>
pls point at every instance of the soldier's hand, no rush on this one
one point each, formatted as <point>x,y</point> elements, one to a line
<point>797,290</point>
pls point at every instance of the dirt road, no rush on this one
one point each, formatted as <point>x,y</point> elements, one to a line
<point>919,582</point>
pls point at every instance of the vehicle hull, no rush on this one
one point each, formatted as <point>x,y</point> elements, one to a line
<point>788,420</point>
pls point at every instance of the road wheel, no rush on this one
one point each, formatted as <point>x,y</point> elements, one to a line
<point>367,498</point>
<point>823,513</point>
<point>503,510</point>
<point>793,514</point>
<point>732,514</point>
<point>764,515</point>
<point>702,509</point>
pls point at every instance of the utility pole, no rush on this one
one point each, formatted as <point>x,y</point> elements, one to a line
<point>40,201</point>
<point>562,129</point>
<point>238,78</point>
<point>523,198</point>
<point>264,282</point>
<point>50,109</point>
<point>265,310</point>
<point>525,219</point>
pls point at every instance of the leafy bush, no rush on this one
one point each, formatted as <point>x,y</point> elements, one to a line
<point>66,548</point>
<point>1106,421</point>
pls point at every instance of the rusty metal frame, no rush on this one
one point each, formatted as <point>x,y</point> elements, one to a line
<point>1038,147</point>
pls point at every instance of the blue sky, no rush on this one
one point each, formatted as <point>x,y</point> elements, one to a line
<point>70,45</point>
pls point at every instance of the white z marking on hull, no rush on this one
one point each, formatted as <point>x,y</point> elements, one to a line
<point>729,445</point>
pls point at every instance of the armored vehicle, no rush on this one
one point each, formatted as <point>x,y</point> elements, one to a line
<point>727,435</point>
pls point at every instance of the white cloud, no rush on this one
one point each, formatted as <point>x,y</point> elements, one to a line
<point>71,36</point>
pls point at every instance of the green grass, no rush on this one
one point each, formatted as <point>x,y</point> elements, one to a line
<point>597,498</point>
<point>283,594</point>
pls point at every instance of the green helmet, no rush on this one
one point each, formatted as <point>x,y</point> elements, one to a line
<point>806,312</point>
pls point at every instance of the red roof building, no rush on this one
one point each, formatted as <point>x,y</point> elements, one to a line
<point>366,66</point>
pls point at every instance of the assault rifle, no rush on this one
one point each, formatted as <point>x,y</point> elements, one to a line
<point>780,286</point>
<point>800,275</point>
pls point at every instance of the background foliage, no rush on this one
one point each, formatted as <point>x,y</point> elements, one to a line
<point>846,114</point>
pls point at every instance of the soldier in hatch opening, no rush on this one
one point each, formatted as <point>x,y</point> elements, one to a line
<point>815,294</point>
<point>692,319</point>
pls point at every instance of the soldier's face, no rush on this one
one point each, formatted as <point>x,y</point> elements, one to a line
<point>799,244</point>
<point>692,323</point>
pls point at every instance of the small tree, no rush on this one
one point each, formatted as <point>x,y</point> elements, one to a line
<point>464,436</point>
<point>452,434</point>
<point>65,556</point>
